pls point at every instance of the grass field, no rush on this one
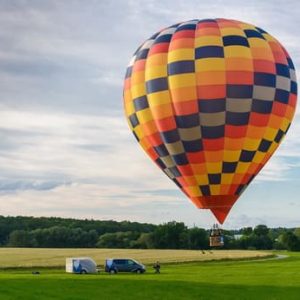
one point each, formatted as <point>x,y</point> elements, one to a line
<point>265,279</point>
<point>33,257</point>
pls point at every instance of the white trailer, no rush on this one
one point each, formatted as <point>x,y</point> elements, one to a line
<point>81,265</point>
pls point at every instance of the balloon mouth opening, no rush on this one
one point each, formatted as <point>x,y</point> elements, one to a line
<point>219,205</point>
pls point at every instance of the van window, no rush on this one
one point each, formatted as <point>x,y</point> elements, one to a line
<point>120,261</point>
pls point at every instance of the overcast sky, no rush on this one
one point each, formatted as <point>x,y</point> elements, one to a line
<point>65,147</point>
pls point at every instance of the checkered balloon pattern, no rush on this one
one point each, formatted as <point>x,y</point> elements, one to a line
<point>210,101</point>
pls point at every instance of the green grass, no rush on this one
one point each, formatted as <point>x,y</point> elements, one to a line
<point>269,279</point>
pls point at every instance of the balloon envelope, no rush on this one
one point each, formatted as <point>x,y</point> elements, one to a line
<point>210,101</point>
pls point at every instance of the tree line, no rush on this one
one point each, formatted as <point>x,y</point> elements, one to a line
<point>71,233</point>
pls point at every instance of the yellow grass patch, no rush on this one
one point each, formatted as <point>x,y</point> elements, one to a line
<point>35,257</point>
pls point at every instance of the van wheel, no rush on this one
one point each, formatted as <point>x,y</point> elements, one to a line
<point>83,272</point>
<point>138,271</point>
<point>112,271</point>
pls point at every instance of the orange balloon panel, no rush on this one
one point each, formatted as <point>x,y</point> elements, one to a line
<point>210,101</point>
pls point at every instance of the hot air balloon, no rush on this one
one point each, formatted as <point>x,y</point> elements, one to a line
<point>210,101</point>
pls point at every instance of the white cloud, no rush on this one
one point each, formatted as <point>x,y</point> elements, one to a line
<point>77,148</point>
<point>276,169</point>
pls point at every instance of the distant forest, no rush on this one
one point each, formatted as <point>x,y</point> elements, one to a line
<point>72,233</point>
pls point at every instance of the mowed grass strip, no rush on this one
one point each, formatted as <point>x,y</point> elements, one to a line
<point>34,257</point>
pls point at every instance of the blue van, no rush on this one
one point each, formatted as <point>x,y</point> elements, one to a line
<point>115,265</point>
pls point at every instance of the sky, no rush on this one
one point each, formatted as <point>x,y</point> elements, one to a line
<point>65,147</point>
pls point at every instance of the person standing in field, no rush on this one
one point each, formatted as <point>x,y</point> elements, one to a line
<point>156,267</point>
